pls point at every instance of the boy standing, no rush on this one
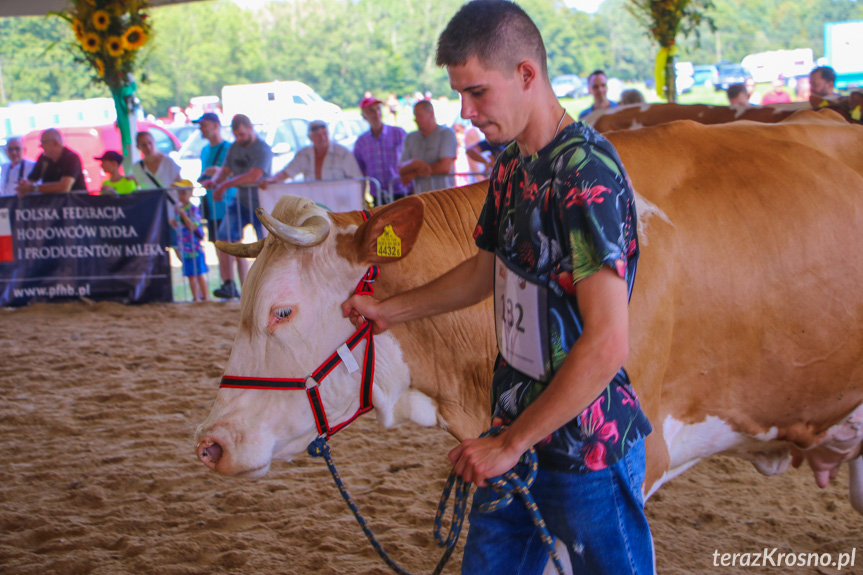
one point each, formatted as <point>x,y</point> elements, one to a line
<point>189,236</point>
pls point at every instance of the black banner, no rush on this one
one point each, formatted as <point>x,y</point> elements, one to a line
<point>60,247</point>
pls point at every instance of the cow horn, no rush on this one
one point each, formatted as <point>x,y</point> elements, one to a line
<point>310,233</point>
<point>241,250</point>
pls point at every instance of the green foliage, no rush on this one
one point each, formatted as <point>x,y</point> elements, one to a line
<point>344,47</point>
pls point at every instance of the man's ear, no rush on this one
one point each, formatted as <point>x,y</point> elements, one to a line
<point>527,72</point>
<point>391,232</point>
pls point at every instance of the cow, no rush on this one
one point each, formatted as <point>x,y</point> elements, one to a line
<point>746,321</point>
<point>643,115</point>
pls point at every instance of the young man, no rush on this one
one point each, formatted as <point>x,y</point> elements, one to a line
<point>213,156</point>
<point>558,225</point>
<point>822,81</point>
<point>598,84</point>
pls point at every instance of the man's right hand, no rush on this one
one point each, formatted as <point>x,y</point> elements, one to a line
<point>207,183</point>
<point>358,307</point>
<point>264,183</point>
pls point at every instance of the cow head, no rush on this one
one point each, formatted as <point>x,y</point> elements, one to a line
<point>291,321</point>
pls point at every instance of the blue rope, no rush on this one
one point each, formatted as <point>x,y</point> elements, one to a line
<point>505,485</point>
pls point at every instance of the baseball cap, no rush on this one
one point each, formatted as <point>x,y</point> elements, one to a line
<point>208,116</point>
<point>112,156</point>
<point>366,102</point>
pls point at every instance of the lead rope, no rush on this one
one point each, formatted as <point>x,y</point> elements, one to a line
<point>504,485</point>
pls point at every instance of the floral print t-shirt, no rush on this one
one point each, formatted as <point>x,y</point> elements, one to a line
<point>560,215</point>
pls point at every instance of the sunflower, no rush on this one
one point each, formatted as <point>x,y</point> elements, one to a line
<point>134,38</point>
<point>78,26</point>
<point>101,20</point>
<point>91,42</point>
<point>100,67</point>
<point>114,44</point>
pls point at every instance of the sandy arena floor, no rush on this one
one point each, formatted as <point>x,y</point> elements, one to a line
<point>98,406</point>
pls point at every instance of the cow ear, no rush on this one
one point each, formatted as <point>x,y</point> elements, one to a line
<point>391,232</point>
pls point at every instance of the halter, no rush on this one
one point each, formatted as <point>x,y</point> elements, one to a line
<point>311,383</point>
<point>342,355</point>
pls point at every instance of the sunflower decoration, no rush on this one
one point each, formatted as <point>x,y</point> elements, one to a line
<point>109,34</point>
<point>664,19</point>
<point>101,20</point>
<point>134,38</point>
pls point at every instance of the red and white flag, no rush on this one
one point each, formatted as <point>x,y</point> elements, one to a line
<point>6,254</point>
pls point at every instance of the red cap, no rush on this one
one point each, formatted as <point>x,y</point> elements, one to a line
<point>367,102</point>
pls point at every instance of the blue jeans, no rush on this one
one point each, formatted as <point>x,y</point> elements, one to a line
<point>599,516</point>
<point>239,213</point>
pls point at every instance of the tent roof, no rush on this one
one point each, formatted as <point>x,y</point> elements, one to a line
<point>41,7</point>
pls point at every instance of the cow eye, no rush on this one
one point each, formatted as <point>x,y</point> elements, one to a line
<point>283,312</point>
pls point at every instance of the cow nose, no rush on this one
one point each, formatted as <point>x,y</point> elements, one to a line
<point>209,452</point>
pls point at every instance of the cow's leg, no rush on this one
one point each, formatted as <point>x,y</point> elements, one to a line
<point>856,483</point>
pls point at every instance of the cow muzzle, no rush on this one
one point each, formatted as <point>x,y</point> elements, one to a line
<point>209,452</point>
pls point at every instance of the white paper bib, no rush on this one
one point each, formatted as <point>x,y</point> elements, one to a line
<point>520,311</point>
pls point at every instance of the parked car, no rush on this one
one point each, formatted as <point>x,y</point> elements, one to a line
<point>346,128</point>
<point>182,131</point>
<point>730,74</point>
<point>684,77</point>
<point>705,75</point>
<point>93,141</point>
<point>569,86</point>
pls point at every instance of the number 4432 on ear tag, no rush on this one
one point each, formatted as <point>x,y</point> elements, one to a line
<point>389,244</point>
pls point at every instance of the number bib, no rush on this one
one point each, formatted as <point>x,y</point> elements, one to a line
<point>520,311</point>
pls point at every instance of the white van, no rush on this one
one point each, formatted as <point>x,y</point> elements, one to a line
<point>269,102</point>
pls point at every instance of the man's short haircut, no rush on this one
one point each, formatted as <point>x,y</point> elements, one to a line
<point>51,135</point>
<point>316,124</point>
<point>240,120</point>
<point>735,90</point>
<point>497,32</point>
<point>595,73</point>
<point>12,139</point>
<point>827,73</point>
<point>424,105</point>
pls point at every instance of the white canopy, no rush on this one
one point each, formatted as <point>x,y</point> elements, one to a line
<point>10,8</point>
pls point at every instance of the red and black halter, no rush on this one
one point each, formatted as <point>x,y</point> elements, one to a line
<point>311,383</point>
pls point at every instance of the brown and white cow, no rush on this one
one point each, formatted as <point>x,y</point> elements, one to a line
<point>643,115</point>
<point>746,319</point>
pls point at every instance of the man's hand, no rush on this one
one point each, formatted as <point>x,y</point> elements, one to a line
<point>207,183</point>
<point>24,187</point>
<point>476,460</point>
<point>358,307</point>
<point>264,183</point>
<point>219,192</point>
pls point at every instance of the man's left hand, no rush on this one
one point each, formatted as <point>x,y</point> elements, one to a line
<point>476,460</point>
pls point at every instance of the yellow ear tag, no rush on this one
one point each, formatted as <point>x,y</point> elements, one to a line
<point>824,104</point>
<point>389,244</point>
<point>855,114</point>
